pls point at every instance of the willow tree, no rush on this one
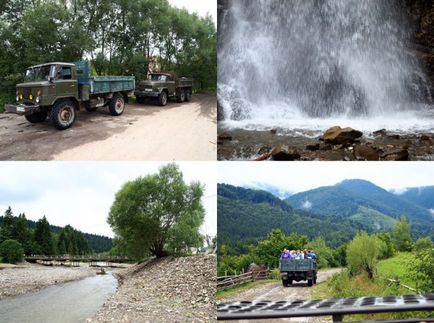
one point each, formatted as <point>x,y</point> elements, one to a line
<point>157,214</point>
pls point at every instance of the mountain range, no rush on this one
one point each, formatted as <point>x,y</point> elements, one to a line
<point>335,212</point>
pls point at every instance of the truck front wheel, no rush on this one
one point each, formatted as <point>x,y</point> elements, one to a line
<point>37,117</point>
<point>63,114</point>
<point>162,98</point>
<point>309,282</point>
<point>117,105</point>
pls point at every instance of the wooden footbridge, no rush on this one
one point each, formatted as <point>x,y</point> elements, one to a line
<point>74,261</point>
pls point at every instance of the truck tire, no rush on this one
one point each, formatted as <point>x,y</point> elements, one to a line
<point>117,105</point>
<point>309,282</point>
<point>162,98</point>
<point>37,117</point>
<point>63,114</point>
<point>314,280</point>
<point>290,282</point>
<point>181,96</point>
<point>284,283</point>
<point>139,99</point>
<point>188,95</point>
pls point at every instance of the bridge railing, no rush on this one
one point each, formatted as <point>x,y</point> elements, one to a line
<point>337,308</point>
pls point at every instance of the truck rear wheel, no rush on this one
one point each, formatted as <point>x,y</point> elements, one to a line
<point>309,282</point>
<point>63,114</point>
<point>181,96</point>
<point>162,98</point>
<point>188,95</point>
<point>290,282</point>
<point>37,117</point>
<point>314,280</point>
<point>117,105</point>
<point>284,283</point>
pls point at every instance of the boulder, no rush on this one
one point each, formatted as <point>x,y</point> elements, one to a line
<point>284,152</point>
<point>381,132</point>
<point>397,154</point>
<point>338,135</point>
<point>312,147</point>
<point>224,137</point>
<point>366,153</point>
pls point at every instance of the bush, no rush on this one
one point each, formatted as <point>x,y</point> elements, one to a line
<point>423,244</point>
<point>275,274</point>
<point>11,251</point>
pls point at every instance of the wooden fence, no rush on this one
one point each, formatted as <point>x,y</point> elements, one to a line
<point>229,281</point>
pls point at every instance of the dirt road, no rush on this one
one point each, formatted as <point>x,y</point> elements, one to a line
<point>179,131</point>
<point>276,292</point>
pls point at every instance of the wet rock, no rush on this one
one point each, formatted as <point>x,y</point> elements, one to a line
<point>397,154</point>
<point>381,132</point>
<point>224,137</point>
<point>326,147</point>
<point>284,152</point>
<point>366,153</point>
<point>394,137</point>
<point>312,147</point>
<point>338,135</point>
<point>273,131</point>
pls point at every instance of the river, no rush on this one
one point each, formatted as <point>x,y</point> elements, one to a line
<point>69,302</point>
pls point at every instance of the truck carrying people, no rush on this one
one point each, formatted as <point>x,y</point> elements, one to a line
<point>297,265</point>
<point>58,90</point>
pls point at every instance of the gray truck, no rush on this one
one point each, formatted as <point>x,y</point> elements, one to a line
<point>162,86</point>
<point>58,90</point>
<point>298,269</point>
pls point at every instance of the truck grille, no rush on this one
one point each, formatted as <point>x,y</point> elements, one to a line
<point>26,92</point>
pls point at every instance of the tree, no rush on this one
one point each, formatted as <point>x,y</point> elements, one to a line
<point>422,244</point>
<point>11,251</point>
<point>157,213</point>
<point>401,235</point>
<point>7,228</point>
<point>422,270</point>
<point>43,237</point>
<point>22,233</point>
<point>362,254</point>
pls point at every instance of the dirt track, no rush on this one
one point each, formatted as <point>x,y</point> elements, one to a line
<point>179,131</point>
<point>276,292</point>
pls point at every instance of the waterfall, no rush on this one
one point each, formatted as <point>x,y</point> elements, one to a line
<point>286,60</point>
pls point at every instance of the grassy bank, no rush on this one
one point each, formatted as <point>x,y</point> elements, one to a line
<point>344,286</point>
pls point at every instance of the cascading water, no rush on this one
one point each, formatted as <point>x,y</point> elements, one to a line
<point>313,64</point>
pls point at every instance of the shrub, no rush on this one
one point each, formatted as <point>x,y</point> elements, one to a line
<point>275,274</point>
<point>11,251</point>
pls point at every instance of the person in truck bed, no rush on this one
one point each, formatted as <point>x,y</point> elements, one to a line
<point>285,255</point>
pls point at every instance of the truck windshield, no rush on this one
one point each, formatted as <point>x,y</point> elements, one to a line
<point>39,73</point>
<point>159,77</point>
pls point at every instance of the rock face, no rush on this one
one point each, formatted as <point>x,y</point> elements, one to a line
<point>165,290</point>
<point>338,135</point>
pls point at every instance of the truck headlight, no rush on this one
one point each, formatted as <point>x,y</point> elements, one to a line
<point>18,98</point>
<point>38,99</point>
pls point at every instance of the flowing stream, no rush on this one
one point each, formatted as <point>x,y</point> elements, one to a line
<point>308,65</point>
<point>67,303</point>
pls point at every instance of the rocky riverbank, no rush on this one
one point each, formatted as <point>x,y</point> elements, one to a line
<point>241,144</point>
<point>164,290</point>
<point>17,281</point>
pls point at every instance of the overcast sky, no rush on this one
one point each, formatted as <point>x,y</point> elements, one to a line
<point>201,7</point>
<point>297,177</point>
<point>81,193</point>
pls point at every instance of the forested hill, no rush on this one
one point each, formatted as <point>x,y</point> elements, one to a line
<point>246,216</point>
<point>423,196</point>
<point>96,242</point>
<point>364,202</point>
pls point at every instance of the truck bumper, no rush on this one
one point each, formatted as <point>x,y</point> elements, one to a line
<point>138,93</point>
<point>21,109</point>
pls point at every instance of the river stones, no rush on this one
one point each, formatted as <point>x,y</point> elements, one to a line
<point>366,153</point>
<point>338,135</point>
<point>284,152</point>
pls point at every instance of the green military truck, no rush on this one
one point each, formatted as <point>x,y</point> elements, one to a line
<point>298,269</point>
<point>58,90</point>
<point>162,86</point>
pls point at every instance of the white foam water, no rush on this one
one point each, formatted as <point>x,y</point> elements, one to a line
<point>309,65</point>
